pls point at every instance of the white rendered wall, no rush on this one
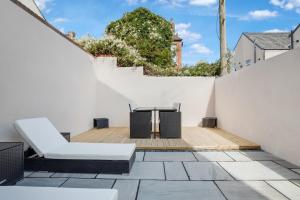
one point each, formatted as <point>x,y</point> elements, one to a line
<point>297,38</point>
<point>32,6</point>
<point>119,86</point>
<point>245,51</point>
<point>42,74</point>
<point>272,53</point>
<point>262,103</point>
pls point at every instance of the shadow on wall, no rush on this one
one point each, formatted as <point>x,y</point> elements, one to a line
<point>112,105</point>
<point>10,133</point>
<point>195,93</point>
<point>210,108</point>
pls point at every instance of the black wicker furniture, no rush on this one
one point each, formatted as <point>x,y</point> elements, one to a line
<point>101,123</point>
<point>55,154</point>
<point>155,121</point>
<point>66,135</point>
<point>170,124</point>
<point>11,162</point>
<point>209,122</point>
<point>140,124</point>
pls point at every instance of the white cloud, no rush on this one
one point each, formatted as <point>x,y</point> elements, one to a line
<point>177,3</point>
<point>263,14</point>
<point>275,30</point>
<point>59,20</point>
<point>62,30</point>
<point>180,3</point>
<point>183,31</point>
<point>260,15</point>
<point>203,2</point>
<point>136,1</point>
<point>192,39</point>
<point>287,4</point>
<point>201,49</point>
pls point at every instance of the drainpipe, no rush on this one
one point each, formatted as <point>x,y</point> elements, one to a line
<point>292,39</point>
<point>254,43</point>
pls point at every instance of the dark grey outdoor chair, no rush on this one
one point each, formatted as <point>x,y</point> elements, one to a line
<point>140,124</point>
<point>170,123</point>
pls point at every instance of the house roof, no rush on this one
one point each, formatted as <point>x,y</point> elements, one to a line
<point>270,41</point>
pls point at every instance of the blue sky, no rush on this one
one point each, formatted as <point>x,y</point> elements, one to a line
<point>196,20</point>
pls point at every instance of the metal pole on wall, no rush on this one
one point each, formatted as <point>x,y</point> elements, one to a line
<point>223,43</point>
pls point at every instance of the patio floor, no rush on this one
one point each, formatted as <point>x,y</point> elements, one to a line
<point>195,138</point>
<point>192,175</point>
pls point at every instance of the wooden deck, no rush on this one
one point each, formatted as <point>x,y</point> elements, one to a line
<point>194,138</point>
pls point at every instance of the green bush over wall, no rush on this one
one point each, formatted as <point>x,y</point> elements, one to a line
<point>150,34</point>
<point>144,39</point>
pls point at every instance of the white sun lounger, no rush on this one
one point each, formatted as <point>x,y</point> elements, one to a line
<point>58,155</point>
<point>47,193</point>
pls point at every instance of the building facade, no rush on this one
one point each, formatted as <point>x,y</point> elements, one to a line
<point>295,37</point>
<point>256,47</point>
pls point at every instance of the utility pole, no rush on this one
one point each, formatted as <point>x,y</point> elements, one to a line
<point>223,43</point>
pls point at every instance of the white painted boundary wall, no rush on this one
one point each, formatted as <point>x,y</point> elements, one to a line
<point>42,74</point>
<point>262,103</point>
<point>120,86</point>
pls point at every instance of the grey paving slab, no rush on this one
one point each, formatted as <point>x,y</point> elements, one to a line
<point>88,183</point>
<point>297,182</point>
<point>260,155</point>
<point>179,190</point>
<point>41,174</point>
<point>206,171</point>
<point>263,170</point>
<point>237,156</point>
<point>169,156</point>
<point>175,171</point>
<point>139,156</point>
<point>140,170</point>
<point>73,175</point>
<point>42,182</point>
<point>26,174</point>
<point>286,188</point>
<point>286,164</point>
<point>208,156</point>
<point>249,190</point>
<point>296,170</point>
<point>127,189</point>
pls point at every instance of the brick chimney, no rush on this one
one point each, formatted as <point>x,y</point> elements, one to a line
<point>177,45</point>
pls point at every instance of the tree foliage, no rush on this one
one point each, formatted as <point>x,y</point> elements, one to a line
<point>144,39</point>
<point>150,34</point>
<point>127,56</point>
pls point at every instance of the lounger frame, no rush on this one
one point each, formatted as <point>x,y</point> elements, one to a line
<point>79,166</point>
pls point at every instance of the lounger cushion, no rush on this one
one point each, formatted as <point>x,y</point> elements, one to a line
<point>92,151</point>
<point>43,137</point>
<point>40,134</point>
<point>47,193</point>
